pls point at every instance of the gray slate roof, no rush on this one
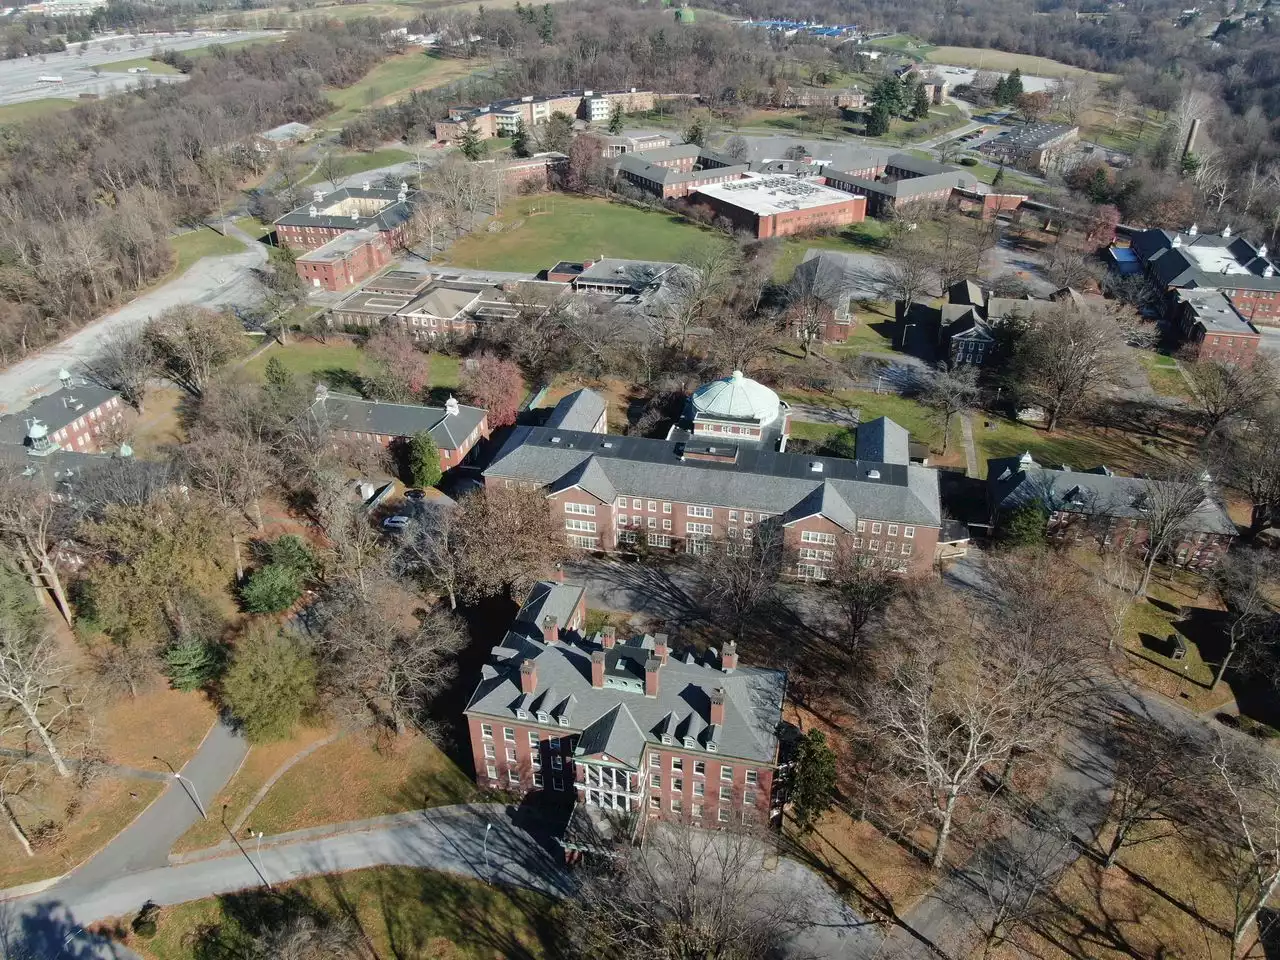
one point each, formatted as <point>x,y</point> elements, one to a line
<point>579,410</point>
<point>618,719</point>
<point>55,410</point>
<point>388,218</point>
<point>1215,311</point>
<point>1172,267</point>
<point>341,412</point>
<point>882,439</point>
<point>759,479</point>
<point>1013,482</point>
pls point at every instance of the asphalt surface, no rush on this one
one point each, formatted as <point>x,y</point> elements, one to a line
<point>211,282</point>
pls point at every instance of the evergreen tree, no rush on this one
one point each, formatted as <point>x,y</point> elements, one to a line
<point>193,663</point>
<point>271,683</point>
<point>1024,527</point>
<point>278,378</point>
<point>470,142</point>
<point>920,104</point>
<point>271,589</point>
<point>888,93</point>
<point>547,29</point>
<point>813,779</point>
<point>696,133</point>
<point>1013,85</point>
<point>423,460</point>
<point>878,119</point>
<point>615,119</point>
<point>999,177</point>
<point>1000,92</point>
<point>520,140</point>
<point>291,551</point>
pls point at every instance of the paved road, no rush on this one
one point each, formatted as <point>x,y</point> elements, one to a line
<point>212,281</point>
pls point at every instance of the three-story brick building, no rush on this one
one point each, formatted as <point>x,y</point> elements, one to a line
<point>626,725</point>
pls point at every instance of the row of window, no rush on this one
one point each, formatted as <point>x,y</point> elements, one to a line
<point>700,769</point>
<point>874,546</point>
<point>700,789</point>
<point>695,810</point>
<point>557,761</point>
<point>877,527</point>
<point>513,777</point>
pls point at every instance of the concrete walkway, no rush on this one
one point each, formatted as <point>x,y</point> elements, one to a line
<point>970,450</point>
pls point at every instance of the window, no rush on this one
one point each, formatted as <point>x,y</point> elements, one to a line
<point>666,524</point>
<point>584,543</point>
<point>564,721</point>
<point>622,519</point>
<point>875,544</point>
<point>808,553</point>
<point>751,777</point>
<point>696,811</point>
<point>888,546</point>
<point>553,744</point>
<point>666,508</point>
<point>655,803</point>
<point>557,783</point>
<point>508,735</point>
<point>513,775</point>
<point>698,529</point>
<point>659,540</point>
<point>726,793</point>
<point>677,784</point>
<point>733,516</point>
<point>489,751</point>
<point>537,779</point>
<point>699,788</point>
<point>862,526</point>
<point>636,503</point>
<point>694,511</point>
<point>651,506</point>
<point>533,739</point>
<point>699,768</point>
<point>733,533</point>
<point>809,536</point>
<point>511,754</point>
<point>893,529</point>
<point>677,763</point>
<point>906,549</point>
<point>586,509</point>
<point>536,760</point>
<point>586,526</point>
<point>877,527</point>
<point>676,804</point>
<point>655,781</point>
<point>726,774</point>
<point>746,534</point>
<point>749,798</point>
<point>652,523</point>
<point>655,760</point>
<point>908,532</point>
<point>557,762</point>
<point>622,503</point>
<point>491,771</point>
<point>486,731</point>
<point>746,517</point>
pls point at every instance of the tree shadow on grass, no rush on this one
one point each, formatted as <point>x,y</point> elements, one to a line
<point>341,379</point>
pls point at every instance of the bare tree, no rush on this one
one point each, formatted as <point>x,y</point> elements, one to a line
<point>685,895</point>
<point>1222,391</point>
<point>819,290</point>
<point>434,553</point>
<point>36,693</point>
<point>739,577</point>
<point>740,339</point>
<point>1167,504</point>
<point>1245,580</point>
<point>511,540</point>
<point>1251,461</point>
<point>1069,355</point>
<point>908,273</point>
<point>736,148</point>
<point>193,343</point>
<point>950,391</point>
<point>1117,587</point>
<point>34,523</point>
<point>861,589</point>
<point>125,362</point>
<point>697,289</point>
<point>304,937</point>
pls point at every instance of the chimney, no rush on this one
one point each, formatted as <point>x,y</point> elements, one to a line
<point>559,573</point>
<point>364,184</point>
<point>550,630</point>
<point>528,677</point>
<point>651,668</point>
<point>717,707</point>
<point>729,657</point>
<point>608,637</point>
<point>597,670</point>
<point>660,648</point>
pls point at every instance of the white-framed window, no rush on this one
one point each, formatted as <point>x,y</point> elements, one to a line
<point>746,517</point>
<point>752,777</point>
<point>511,754</point>
<point>877,527</point>
<point>537,779</point>
<point>696,811</point>
<point>857,542</point>
<point>696,511</point>
<point>906,549</point>
<point>491,771</point>
<point>723,816</point>
<point>637,503</point>
<point>812,536</point>
<point>557,761</point>
<point>486,731</point>
<point>733,516</point>
<point>622,519</point>
<point>893,529</point>
<point>666,524</point>
<point>733,533</point>
<point>536,760</point>
<point>651,506</point>
<point>557,783</point>
<point>699,788</point>
<point>652,523</point>
<point>726,794</point>
<point>699,768</point>
<point>655,781</point>
<point>584,543</point>
<point>749,798</point>
<point>862,526</point>
<point>908,532</point>
<point>676,804</point>
<point>888,546</point>
<point>875,544</point>
<point>628,536</point>
<point>677,763</point>
<point>655,803</point>
<point>533,739</point>
<point>655,760</point>
<point>666,508</point>
<point>586,526</point>
<point>808,553</point>
<point>659,540</point>
<point>677,784</point>
<point>490,751</point>
<point>726,774</point>
<point>513,775</point>
<point>586,509</point>
<point>698,529</point>
<point>622,503</point>
<point>508,735</point>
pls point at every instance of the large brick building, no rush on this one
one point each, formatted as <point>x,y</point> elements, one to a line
<point>703,485</point>
<point>345,260</point>
<point>1101,506</point>
<point>628,725</point>
<point>903,180</point>
<point>78,417</point>
<point>1209,261</point>
<point>500,118</point>
<point>1212,328</point>
<point>779,206</point>
<point>331,215</point>
<point>1038,147</point>
<point>673,172</point>
<point>455,428</point>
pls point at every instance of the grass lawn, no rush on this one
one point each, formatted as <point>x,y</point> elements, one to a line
<point>919,420</point>
<point>31,109</point>
<point>903,43</point>
<point>163,722</point>
<point>1099,125</point>
<point>1012,180</point>
<point>339,362</point>
<point>350,164</point>
<point>255,227</point>
<point>402,912</point>
<point>537,232</point>
<point>158,426</point>
<point>351,780</point>
<point>153,66</point>
<point>940,120</point>
<point>870,235</point>
<point>105,809</point>
<point>1164,375</point>
<point>396,77</point>
<point>978,58</point>
<point>1081,447</point>
<point>199,243</point>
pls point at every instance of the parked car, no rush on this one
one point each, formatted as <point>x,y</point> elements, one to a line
<point>415,495</point>
<point>396,524</point>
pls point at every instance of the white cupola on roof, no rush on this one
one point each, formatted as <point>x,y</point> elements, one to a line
<point>1226,231</point>
<point>1192,230</point>
<point>737,398</point>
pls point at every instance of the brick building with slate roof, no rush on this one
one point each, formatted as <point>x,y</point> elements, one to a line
<point>455,427</point>
<point>614,493</point>
<point>627,724</point>
<point>330,215</point>
<point>1212,261</point>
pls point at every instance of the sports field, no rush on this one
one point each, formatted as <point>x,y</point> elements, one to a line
<point>1002,62</point>
<point>395,78</point>
<point>29,109</point>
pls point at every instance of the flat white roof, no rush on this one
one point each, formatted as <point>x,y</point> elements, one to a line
<point>767,195</point>
<point>1214,259</point>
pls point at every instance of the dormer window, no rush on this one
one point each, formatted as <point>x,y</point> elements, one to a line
<point>543,717</point>
<point>689,744</point>
<point>522,714</point>
<point>564,721</point>
<point>666,740</point>
<point>711,746</point>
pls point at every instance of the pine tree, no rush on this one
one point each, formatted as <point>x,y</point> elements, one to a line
<point>278,377</point>
<point>193,663</point>
<point>520,139</point>
<point>920,107</point>
<point>615,119</point>
<point>878,119</point>
<point>999,93</point>
<point>547,30</point>
<point>1024,527</point>
<point>888,93</point>
<point>813,779</point>
<point>696,133</point>
<point>423,460</point>
<point>470,142</point>
<point>1013,85</point>
<point>999,177</point>
<point>271,589</point>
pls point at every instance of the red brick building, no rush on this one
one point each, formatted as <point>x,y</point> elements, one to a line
<point>1208,261</point>
<point>779,206</point>
<point>694,488</point>
<point>678,171</point>
<point>1108,509</point>
<point>820,293</point>
<point>500,118</point>
<point>628,725</point>
<point>79,417</point>
<point>1213,328</point>
<point>344,261</point>
<point>903,180</point>
<point>331,215</point>
<point>455,428</point>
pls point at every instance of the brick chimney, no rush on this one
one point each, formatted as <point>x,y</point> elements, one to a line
<point>559,573</point>
<point>597,669</point>
<point>651,668</point>
<point>729,657</point>
<point>608,637</point>
<point>660,648</point>
<point>550,630</point>
<point>528,677</point>
<point>717,706</point>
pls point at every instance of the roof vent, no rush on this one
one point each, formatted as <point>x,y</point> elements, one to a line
<point>318,196</point>
<point>555,439</point>
<point>815,466</point>
<point>1177,242</point>
<point>1262,250</point>
<point>313,211</point>
<point>1192,230</point>
<point>873,474</point>
<point>364,184</point>
<point>1268,271</point>
<point>608,444</point>
<point>1226,232</point>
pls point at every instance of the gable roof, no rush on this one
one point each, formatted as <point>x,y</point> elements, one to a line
<point>580,410</point>
<point>449,431</point>
<point>823,501</point>
<point>55,410</point>
<point>883,440</point>
<point>590,477</point>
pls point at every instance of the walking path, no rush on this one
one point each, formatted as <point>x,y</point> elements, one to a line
<point>970,450</point>
<point>110,769</point>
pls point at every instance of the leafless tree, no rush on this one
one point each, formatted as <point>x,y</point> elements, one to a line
<point>739,577</point>
<point>860,590</point>
<point>1068,266</point>
<point>125,668</point>
<point>235,469</point>
<point>34,523</point>
<point>1222,391</point>
<point>36,691</point>
<point>684,895</point>
<point>739,339</point>
<point>1245,581</point>
<point>962,245</point>
<point>1251,461</point>
<point>511,540</point>
<point>819,290</point>
<point>193,343</point>
<point>950,391</point>
<point>908,273</point>
<point>737,149</point>
<point>17,779</point>
<point>1069,355</point>
<point>1167,504</point>
<point>125,362</point>
<point>1117,587</point>
<point>696,290</point>
<point>1075,95</point>
<point>433,552</point>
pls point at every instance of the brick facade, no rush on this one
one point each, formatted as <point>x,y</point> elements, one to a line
<point>334,269</point>
<point>786,223</point>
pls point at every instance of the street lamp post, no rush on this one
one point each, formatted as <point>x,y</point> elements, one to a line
<point>186,785</point>
<point>262,867</point>
<point>257,868</point>
<point>488,874</point>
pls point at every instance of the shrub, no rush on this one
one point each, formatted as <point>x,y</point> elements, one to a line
<point>271,589</point>
<point>193,663</point>
<point>968,162</point>
<point>271,683</point>
<point>293,553</point>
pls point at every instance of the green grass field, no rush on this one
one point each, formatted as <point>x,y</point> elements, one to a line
<point>1163,375</point>
<point>978,58</point>
<point>394,78</point>
<point>537,232</point>
<point>32,109</point>
<point>1082,449</point>
<point>204,242</point>
<point>153,66</point>
<point>352,163</point>
<point>254,227</point>
<point>919,420</point>
<point>339,362</point>
<point>903,43</point>
<point>401,912</point>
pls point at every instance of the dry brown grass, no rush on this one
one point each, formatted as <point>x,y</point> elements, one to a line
<point>157,426</point>
<point>161,722</point>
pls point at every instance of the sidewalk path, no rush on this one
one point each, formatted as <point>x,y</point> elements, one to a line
<point>970,451</point>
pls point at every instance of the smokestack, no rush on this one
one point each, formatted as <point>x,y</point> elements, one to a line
<point>528,677</point>
<point>1194,132</point>
<point>660,648</point>
<point>550,630</point>
<point>717,707</point>
<point>729,657</point>
<point>597,669</point>
<point>651,668</point>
